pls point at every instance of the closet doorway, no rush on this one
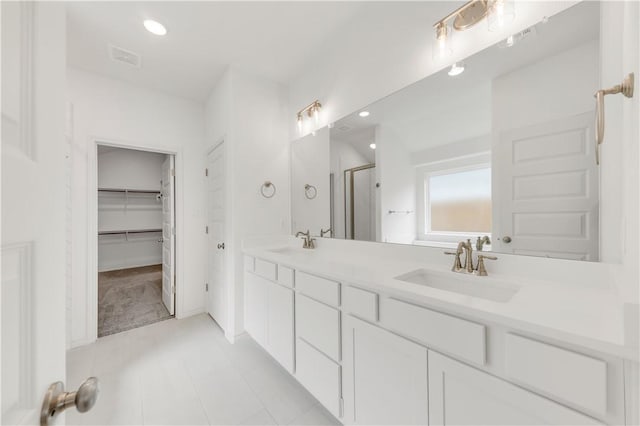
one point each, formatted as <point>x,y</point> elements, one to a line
<point>136,238</point>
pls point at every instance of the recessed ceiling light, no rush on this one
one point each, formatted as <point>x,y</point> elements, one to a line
<point>155,27</point>
<point>364,113</point>
<point>372,145</point>
<point>456,69</point>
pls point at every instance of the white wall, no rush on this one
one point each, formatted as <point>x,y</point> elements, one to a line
<point>129,169</point>
<point>108,110</point>
<point>249,114</point>
<point>310,160</point>
<point>397,190</point>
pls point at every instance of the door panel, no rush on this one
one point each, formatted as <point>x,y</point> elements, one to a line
<point>33,206</point>
<point>549,181</point>
<point>168,236</point>
<point>462,395</point>
<point>216,304</point>
<point>385,377</point>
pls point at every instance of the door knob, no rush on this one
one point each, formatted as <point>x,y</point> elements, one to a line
<point>221,246</point>
<point>506,239</point>
<point>56,400</point>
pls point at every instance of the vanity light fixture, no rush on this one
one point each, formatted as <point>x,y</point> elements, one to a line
<point>364,114</point>
<point>155,27</point>
<point>498,13</point>
<point>456,69</point>
<point>372,145</point>
<point>312,112</point>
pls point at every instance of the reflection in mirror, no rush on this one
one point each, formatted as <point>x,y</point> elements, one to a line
<point>501,153</point>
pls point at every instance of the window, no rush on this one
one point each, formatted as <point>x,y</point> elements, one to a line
<point>458,202</point>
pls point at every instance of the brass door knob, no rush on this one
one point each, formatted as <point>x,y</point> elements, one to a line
<point>56,400</point>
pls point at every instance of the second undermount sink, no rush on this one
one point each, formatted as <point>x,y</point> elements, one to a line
<point>468,285</point>
<point>289,250</point>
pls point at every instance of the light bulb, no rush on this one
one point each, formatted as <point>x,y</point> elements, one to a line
<point>442,47</point>
<point>363,114</point>
<point>501,13</point>
<point>316,116</point>
<point>372,145</point>
<point>300,123</point>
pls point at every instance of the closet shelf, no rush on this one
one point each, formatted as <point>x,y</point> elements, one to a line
<point>130,191</point>
<point>129,231</point>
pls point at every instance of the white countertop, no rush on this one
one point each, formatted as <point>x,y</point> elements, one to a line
<point>593,318</point>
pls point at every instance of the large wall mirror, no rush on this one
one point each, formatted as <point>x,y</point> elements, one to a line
<point>502,153</point>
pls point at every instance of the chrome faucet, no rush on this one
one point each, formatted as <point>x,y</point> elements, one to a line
<point>323,232</point>
<point>309,243</point>
<point>467,249</point>
<point>481,241</point>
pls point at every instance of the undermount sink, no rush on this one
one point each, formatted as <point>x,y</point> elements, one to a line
<point>288,250</point>
<point>469,285</point>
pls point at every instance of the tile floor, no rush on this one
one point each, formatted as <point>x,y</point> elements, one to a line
<point>185,372</point>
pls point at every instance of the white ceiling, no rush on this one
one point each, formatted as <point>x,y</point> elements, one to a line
<point>270,39</point>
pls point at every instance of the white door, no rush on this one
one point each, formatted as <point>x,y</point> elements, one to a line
<point>548,177</point>
<point>385,377</point>
<point>168,234</point>
<point>216,305</point>
<point>33,301</point>
<point>462,395</point>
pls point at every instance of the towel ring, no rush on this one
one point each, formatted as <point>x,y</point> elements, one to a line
<point>626,88</point>
<point>310,191</point>
<point>264,189</point>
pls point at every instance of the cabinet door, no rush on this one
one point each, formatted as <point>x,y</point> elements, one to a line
<point>280,324</point>
<point>255,314</point>
<point>463,395</point>
<point>385,377</point>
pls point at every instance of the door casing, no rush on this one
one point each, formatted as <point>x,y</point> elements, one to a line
<point>92,224</point>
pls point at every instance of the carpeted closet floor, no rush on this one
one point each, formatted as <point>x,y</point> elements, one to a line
<point>130,298</point>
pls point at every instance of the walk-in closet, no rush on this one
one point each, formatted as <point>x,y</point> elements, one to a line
<point>136,240</point>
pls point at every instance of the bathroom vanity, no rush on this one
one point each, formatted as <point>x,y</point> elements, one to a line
<point>376,345</point>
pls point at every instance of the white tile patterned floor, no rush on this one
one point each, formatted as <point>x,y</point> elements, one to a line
<point>185,372</point>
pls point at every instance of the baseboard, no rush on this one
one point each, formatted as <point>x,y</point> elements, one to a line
<point>136,265</point>
<point>190,313</point>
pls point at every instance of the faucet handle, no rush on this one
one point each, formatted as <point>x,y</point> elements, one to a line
<point>457,263</point>
<point>481,270</point>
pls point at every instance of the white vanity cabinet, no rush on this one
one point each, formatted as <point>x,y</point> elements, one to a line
<point>269,313</point>
<point>462,395</point>
<point>318,339</point>
<point>372,358</point>
<point>385,377</point>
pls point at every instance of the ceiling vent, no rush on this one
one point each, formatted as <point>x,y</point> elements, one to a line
<point>128,57</point>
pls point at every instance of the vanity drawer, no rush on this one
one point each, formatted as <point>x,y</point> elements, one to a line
<point>319,375</point>
<point>360,303</point>
<point>319,325</point>
<point>249,263</point>
<point>285,276</point>
<point>265,269</point>
<point>573,377</point>
<point>456,336</point>
<point>321,289</point>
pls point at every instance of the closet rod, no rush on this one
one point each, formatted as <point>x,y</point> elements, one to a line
<point>136,191</point>
<point>133,231</point>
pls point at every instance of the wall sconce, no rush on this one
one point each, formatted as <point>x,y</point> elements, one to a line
<point>311,112</point>
<point>498,13</point>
